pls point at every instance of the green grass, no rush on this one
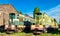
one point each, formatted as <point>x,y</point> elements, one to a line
<point>49,34</point>
<point>28,34</point>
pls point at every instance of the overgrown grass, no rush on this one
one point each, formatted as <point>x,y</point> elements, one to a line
<point>28,34</point>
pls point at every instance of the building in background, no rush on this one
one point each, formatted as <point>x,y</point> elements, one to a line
<point>7,12</point>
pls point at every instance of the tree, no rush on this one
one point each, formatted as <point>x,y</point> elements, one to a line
<point>36,10</point>
<point>20,12</point>
<point>55,20</point>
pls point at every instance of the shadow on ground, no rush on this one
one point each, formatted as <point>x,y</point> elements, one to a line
<point>28,27</point>
<point>2,28</point>
<point>53,31</point>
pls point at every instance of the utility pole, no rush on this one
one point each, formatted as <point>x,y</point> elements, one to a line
<point>59,20</point>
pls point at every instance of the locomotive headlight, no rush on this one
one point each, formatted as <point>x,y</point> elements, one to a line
<point>56,26</point>
<point>47,26</point>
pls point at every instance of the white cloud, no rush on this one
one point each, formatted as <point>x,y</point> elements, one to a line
<point>54,12</point>
<point>30,14</point>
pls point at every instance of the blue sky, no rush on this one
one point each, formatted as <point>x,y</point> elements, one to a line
<point>51,7</point>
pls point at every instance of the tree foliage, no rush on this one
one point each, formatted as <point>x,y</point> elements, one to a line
<point>36,10</point>
<point>20,12</point>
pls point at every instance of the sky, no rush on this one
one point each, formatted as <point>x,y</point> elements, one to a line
<point>51,7</point>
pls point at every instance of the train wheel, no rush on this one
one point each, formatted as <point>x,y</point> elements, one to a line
<point>20,29</point>
<point>9,32</point>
